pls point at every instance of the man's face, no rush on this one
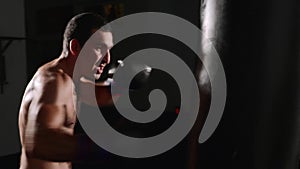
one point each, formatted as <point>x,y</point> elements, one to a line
<point>96,54</point>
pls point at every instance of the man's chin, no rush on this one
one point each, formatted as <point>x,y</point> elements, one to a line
<point>97,76</point>
<point>92,77</point>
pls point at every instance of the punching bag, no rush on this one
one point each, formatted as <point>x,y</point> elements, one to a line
<point>258,43</point>
<point>278,126</point>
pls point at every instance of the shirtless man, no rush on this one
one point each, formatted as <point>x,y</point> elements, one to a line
<point>48,110</point>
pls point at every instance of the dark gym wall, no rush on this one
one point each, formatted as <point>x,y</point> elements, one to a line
<point>12,72</point>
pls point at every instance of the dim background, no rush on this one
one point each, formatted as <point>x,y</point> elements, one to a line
<point>258,43</point>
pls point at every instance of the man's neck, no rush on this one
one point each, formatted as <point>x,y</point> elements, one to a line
<point>66,64</point>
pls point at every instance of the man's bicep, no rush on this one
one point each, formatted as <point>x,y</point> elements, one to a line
<point>52,103</point>
<point>50,116</point>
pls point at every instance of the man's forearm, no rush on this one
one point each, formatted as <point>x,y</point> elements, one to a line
<point>53,145</point>
<point>60,147</point>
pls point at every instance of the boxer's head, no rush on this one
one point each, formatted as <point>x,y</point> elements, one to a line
<point>80,28</point>
<point>96,54</point>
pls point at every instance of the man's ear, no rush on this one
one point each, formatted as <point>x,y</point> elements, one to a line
<point>74,47</point>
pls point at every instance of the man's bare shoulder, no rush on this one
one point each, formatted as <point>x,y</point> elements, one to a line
<point>51,70</point>
<point>51,84</point>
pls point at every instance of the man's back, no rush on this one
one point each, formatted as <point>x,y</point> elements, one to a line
<point>47,112</point>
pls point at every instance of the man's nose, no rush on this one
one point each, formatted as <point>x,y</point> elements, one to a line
<point>106,58</point>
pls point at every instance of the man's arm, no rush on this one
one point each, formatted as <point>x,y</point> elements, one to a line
<point>102,92</point>
<point>46,134</point>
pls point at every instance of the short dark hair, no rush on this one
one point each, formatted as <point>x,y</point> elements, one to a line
<point>80,27</point>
